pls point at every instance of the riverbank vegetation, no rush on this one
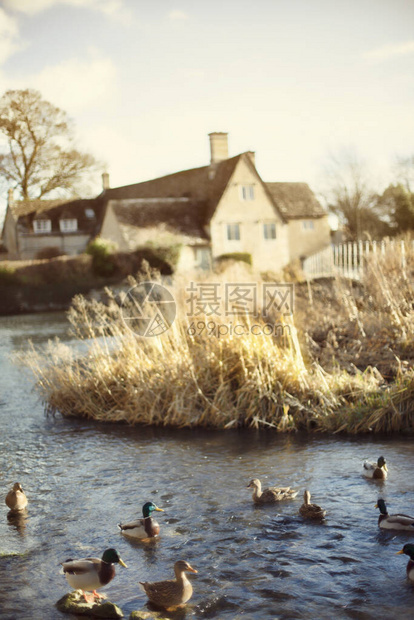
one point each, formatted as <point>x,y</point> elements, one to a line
<point>51,283</point>
<point>341,363</point>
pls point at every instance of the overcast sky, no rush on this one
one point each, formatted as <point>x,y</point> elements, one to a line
<point>146,80</point>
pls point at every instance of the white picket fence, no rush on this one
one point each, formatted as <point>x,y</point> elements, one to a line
<point>349,259</point>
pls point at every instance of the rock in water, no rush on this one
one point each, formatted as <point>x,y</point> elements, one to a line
<point>145,615</point>
<point>74,603</point>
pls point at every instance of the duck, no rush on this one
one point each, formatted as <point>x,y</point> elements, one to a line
<point>172,593</point>
<point>409,550</point>
<point>310,511</point>
<point>270,495</point>
<point>89,574</point>
<point>16,499</point>
<point>393,522</point>
<point>377,471</point>
<point>145,528</point>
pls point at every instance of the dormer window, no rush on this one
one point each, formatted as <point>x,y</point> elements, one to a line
<point>247,192</point>
<point>42,226</point>
<point>90,213</point>
<point>68,225</point>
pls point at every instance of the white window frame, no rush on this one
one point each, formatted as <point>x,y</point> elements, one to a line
<point>233,232</point>
<point>42,226</point>
<point>308,225</point>
<point>247,192</point>
<point>269,227</point>
<point>67,224</point>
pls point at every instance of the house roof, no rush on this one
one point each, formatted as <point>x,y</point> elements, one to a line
<point>26,207</point>
<point>296,200</point>
<point>204,186</point>
<point>179,215</point>
<point>88,213</point>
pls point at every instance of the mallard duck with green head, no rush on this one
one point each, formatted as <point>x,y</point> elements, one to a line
<point>145,528</point>
<point>89,574</point>
<point>310,511</point>
<point>393,522</point>
<point>16,498</point>
<point>172,593</point>
<point>271,494</point>
<point>377,471</point>
<point>409,550</point>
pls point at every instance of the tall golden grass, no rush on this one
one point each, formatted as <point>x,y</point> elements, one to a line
<point>184,380</point>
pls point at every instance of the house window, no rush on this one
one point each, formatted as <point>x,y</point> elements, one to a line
<point>233,232</point>
<point>269,230</point>
<point>202,258</point>
<point>90,213</point>
<point>308,224</point>
<point>68,225</point>
<point>247,192</point>
<point>42,226</point>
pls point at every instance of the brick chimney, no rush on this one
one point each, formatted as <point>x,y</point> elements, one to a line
<point>105,181</point>
<point>219,149</point>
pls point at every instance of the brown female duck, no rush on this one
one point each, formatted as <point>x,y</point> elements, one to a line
<point>171,593</point>
<point>271,494</point>
<point>16,499</point>
<point>310,511</point>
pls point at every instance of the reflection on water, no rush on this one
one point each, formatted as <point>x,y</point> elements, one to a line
<point>82,479</point>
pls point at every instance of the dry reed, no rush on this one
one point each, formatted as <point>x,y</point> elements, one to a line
<point>178,379</point>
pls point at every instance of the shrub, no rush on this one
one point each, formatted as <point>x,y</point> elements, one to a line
<point>8,276</point>
<point>245,257</point>
<point>49,252</point>
<point>102,251</point>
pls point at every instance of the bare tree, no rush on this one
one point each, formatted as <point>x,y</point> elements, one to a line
<point>404,172</point>
<point>349,195</point>
<point>38,155</point>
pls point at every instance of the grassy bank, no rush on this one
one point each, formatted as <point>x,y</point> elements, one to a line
<point>320,374</point>
<point>42,285</point>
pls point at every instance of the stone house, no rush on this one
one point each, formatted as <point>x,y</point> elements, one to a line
<point>66,226</point>
<point>219,209</point>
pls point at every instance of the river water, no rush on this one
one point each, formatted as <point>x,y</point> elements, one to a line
<point>253,562</point>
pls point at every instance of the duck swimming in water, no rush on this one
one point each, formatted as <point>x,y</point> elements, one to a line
<point>171,593</point>
<point>409,550</point>
<point>393,522</point>
<point>310,511</point>
<point>271,494</point>
<point>145,528</point>
<point>377,471</point>
<point>16,499</point>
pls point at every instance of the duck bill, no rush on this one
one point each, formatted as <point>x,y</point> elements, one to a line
<point>159,509</point>
<point>376,506</point>
<point>385,467</point>
<point>122,563</point>
<point>400,552</point>
<point>192,570</point>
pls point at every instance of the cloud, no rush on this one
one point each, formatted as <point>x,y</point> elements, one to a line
<point>76,84</point>
<point>8,36</point>
<point>31,7</point>
<point>177,15</point>
<point>388,51</point>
